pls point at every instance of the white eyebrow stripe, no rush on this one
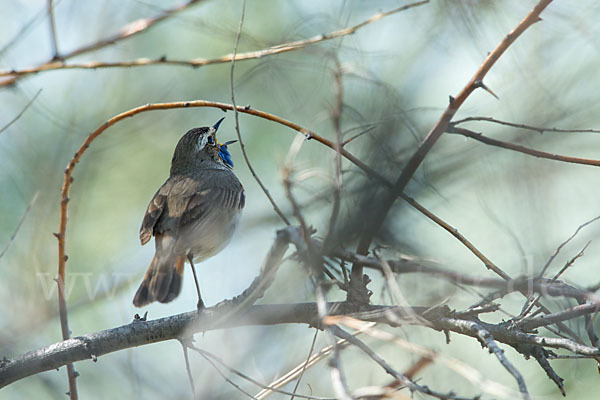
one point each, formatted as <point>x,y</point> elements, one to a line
<point>202,140</point>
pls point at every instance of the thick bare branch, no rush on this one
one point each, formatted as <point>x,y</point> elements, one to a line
<point>138,332</point>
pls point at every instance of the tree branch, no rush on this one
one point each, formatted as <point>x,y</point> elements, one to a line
<point>131,29</point>
<point>141,25</point>
<point>539,129</point>
<point>139,332</point>
<point>521,149</point>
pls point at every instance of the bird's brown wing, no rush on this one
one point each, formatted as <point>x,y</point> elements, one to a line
<point>223,191</point>
<point>183,200</point>
<point>153,213</point>
<point>167,206</point>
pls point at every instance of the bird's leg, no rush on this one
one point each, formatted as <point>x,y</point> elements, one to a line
<point>200,302</point>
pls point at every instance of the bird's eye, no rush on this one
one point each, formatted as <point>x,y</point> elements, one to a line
<point>210,140</point>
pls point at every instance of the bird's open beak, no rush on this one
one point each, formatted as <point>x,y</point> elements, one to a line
<point>216,126</point>
<point>229,142</point>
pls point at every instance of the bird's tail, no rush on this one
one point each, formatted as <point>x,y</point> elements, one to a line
<point>162,281</point>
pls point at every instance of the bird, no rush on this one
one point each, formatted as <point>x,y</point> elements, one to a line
<point>192,216</point>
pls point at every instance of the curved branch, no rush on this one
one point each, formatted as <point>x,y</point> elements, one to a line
<point>68,178</point>
<point>68,175</point>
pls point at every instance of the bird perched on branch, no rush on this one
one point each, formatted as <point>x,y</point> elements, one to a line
<point>193,214</point>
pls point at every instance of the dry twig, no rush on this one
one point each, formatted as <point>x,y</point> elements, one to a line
<point>57,61</point>
<point>237,123</point>
<point>141,25</point>
<point>12,121</point>
<point>521,149</point>
<point>539,129</point>
<point>21,220</point>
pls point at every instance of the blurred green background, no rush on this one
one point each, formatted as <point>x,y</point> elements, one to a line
<point>397,76</point>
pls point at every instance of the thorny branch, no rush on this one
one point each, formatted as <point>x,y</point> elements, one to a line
<point>439,128</point>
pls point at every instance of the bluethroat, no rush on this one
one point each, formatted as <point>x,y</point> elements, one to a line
<point>192,215</point>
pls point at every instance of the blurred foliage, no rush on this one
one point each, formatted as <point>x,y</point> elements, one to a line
<point>397,75</point>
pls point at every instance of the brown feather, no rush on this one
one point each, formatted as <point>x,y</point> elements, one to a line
<point>153,213</point>
<point>161,283</point>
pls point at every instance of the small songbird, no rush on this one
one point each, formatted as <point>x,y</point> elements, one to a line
<point>192,216</point>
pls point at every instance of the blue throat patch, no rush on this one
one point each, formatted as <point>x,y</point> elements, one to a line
<point>224,154</point>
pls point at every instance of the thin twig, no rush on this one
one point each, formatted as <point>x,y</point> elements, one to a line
<point>184,346</point>
<point>520,149</point>
<point>467,371</point>
<point>486,261</point>
<point>237,123</point>
<point>388,368</point>
<point>297,370</point>
<point>53,40</point>
<point>314,262</point>
<point>530,301</point>
<point>216,368</point>
<point>14,235</point>
<point>563,244</point>
<point>312,347</point>
<point>367,130</point>
<point>569,263</point>
<point>539,129</point>
<point>404,266</point>
<point>535,301</point>
<point>25,28</point>
<point>540,355</point>
<point>454,232</point>
<point>564,315</point>
<point>5,127</point>
<point>337,127</point>
<point>208,355</point>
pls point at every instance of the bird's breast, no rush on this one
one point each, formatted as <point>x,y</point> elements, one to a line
<point>210,237</point>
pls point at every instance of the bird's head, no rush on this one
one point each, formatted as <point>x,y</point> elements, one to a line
<point>199,148</point>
